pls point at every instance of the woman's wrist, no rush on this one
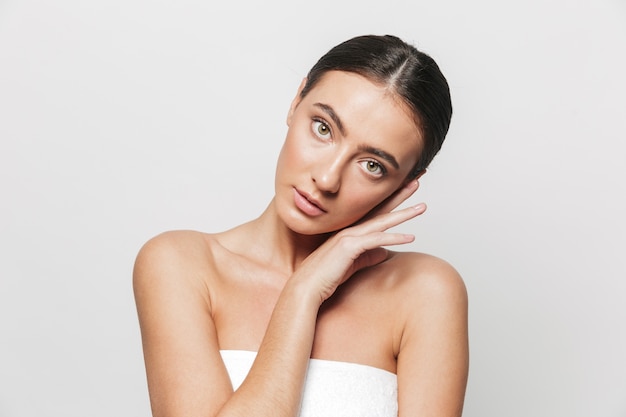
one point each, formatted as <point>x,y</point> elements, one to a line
<point>302,290</point>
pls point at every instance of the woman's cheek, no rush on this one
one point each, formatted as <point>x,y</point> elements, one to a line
<point>301,156</point>
<point>291,156</point>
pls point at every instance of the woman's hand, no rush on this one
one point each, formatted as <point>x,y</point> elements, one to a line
<point>358,246</point>
<point>394,200</point>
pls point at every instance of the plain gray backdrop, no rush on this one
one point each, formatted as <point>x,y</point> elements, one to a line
<point>123,119</point>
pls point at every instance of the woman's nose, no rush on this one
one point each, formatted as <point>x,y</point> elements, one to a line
<point>327,175</point>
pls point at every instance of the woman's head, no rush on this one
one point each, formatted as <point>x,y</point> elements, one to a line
<point>412,75</point>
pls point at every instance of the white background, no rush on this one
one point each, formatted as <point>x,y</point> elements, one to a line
<point>122,119</point>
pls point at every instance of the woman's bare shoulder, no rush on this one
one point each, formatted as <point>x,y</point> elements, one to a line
<point>177,265</point>
<point>177,244</point>
<point>425,276</point>
<point>413,283</point>
<point>176,254</point>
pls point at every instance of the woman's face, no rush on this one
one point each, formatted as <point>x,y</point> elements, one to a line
<point>350,144</point>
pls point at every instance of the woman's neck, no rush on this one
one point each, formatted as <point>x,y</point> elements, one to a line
<point>272,241</point>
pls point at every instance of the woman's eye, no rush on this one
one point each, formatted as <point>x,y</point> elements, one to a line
<point>321,129</point>
<point>373,167</point>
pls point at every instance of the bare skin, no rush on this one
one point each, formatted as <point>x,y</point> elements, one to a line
<point>291,287</point>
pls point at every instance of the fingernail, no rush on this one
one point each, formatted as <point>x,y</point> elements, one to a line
<point>420,206</point>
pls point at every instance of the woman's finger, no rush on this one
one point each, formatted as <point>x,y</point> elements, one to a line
<point>385,221</point>
<point>394,200</point>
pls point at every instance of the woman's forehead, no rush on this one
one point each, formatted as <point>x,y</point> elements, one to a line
<point>344,84</point>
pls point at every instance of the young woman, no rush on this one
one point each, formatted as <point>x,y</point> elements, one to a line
<point>302,312</point>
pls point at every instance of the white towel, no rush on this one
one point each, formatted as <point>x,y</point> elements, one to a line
<point>332,388</point>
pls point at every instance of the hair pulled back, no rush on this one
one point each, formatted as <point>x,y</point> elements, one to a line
<point>413,75</point>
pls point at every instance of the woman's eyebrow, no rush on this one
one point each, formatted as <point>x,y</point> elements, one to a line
<point>364,148</point>
<point>332,114</point>
<point>379,152</point>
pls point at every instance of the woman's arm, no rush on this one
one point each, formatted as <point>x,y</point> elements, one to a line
<point>186,375</point>
<point>433,359</point>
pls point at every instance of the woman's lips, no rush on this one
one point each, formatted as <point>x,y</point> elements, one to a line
<point>306,204</point>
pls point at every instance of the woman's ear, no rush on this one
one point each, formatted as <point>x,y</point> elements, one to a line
<point>296,101</point>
